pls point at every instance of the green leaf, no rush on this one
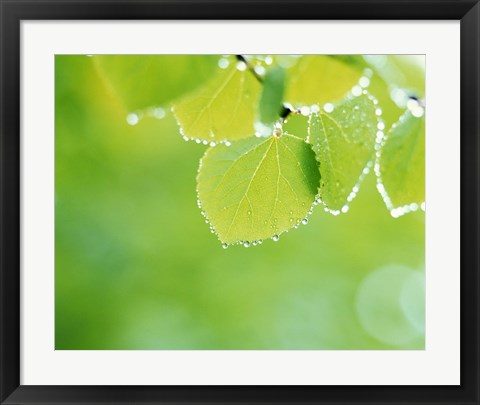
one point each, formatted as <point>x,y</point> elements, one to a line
<point>257,188</point>
<point>222,110</point>
<point>141,81</point>
<point>318,79</point>
<point>272,95</point>
<point>344,143</point>
<point>401,175</point>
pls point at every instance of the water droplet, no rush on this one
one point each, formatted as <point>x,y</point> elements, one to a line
<point>158,113</point>
<point>305,111</point>
<point>246,244</point>
<point>275,238</point>
<point>357,91</point>
<point>364,81</point>
<point>413,206</point>
<point>132,119</point>
<point>249,212</point>
<point>241,66</point>
<point>418,111</point>
<point>224,245</point>
<point>329,107</point>
<point>259,70</point>
<point>412,103</point>
<point>304,221</point>
<point>223,63</point>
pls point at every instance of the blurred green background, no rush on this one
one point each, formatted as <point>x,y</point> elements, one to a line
<point>137,267</point>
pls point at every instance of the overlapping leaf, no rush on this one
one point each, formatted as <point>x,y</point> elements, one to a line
<point>257,188</point>
<point>402,162</point>
<point>222,110</point>
<point>272,95</point>
<point>344,142</point>
<point>320,79</point>
<point>141,81</point>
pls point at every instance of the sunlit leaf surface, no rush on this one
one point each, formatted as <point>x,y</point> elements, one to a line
<point>224,109</point>
<point>402,162</point>
<point>257,188</point>
<point>344,143</point>
<point>319,79</point>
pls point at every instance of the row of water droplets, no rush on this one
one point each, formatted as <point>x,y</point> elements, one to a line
<point>157,112</point>
<point>359,89</point>
<point>404,100</point>
<point>259,62</point>
<point>417,109</point>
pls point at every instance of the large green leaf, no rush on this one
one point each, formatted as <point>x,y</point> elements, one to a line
<point>344,143</point>
<point>319,79</point>
<point>222,110</point>
<point>401,163</point>
<point>257,188</point>
<point>272,95</point>
<point>141,81</point>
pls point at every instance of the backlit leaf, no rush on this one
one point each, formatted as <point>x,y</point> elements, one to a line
<point>318,79</point>
<point>344,143</point>
<point>257,188</point>
<point>141,81</point>
<point>222,110</point>
<point>402,162</point>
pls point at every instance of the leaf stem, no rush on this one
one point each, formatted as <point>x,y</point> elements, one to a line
<point>242,58</point>
<point>286,110</point>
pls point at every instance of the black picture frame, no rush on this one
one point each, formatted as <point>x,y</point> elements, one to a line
<point>14,11</point>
